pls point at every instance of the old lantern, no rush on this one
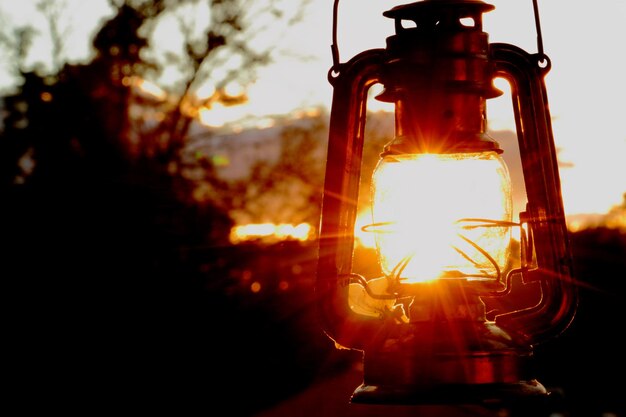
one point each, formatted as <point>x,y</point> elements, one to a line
<point>441,214</point>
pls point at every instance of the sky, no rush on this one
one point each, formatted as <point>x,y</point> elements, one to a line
<point>586,86</point>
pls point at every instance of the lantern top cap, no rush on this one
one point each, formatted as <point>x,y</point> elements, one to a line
<point>413,11</point>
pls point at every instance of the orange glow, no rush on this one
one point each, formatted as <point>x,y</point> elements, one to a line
<point>616,222</point>
<point>255,287</point>
<point>271,232</point>
<point>362,237</point>
<point>440,216</point>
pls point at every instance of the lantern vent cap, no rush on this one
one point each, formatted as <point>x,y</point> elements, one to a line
<point>414,11</point>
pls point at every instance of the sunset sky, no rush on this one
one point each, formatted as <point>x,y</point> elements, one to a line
<point>586,87</point>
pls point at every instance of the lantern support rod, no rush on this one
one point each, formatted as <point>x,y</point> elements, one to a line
<point>546,217</point>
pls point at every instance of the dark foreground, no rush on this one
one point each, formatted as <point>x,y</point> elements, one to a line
<point>121,327</point>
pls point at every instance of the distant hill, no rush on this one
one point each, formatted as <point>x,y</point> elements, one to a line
<point>233,152</point>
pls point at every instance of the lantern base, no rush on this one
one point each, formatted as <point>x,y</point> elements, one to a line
<point>454,362</point>
<point>491,395</point>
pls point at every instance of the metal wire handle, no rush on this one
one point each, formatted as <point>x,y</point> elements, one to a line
<point>334,71</point>
<point>542,59</point>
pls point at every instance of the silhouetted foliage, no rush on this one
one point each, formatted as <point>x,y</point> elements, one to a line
<point>586,363</point>
<point>99,225</point>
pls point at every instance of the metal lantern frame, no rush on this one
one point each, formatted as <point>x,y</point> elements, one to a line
<point>491,363</point>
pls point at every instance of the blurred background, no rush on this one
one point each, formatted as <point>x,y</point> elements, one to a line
<point>161,170</point>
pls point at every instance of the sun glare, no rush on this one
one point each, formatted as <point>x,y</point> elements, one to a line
<point>271,232</point>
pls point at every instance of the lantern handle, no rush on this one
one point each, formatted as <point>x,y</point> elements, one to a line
<point>546,218</point>
<point>339,204</point>
<point>542,58</point>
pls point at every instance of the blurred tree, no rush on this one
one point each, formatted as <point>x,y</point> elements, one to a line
<point>288,190</point>
<point>80,124</point>
<point>139,127</point>
<point>286,180</point>
<point>616,217</point>
<point>96,218</point>
<point>592,349</point>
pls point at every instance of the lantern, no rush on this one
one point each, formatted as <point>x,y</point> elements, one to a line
<point>442,218</point>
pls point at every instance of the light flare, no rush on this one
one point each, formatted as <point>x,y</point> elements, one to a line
<point>442,216</point>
